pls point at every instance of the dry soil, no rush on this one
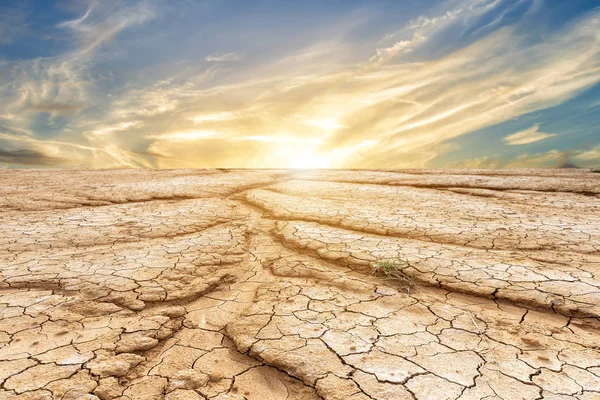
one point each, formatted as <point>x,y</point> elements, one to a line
<point>259,285</point>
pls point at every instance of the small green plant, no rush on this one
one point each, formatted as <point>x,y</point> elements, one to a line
<point>392,268</point>
<point>597,170</point>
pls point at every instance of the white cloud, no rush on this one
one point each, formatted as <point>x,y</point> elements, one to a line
<point>330,100</point>
<point>221,57</point>
<point>213,117</point>
<point>526,136</point>
<point>406,110</point>
<point>398,48</point>
<point>80,155</point>
<point>424,25</point>
<point>109,129</point>
<point>327,123</point>
<point>103,21</point>
<point>63,85</point>
<point>282,139</point>
<point>77,21</point>
<point>550,159</point>
<point>592,155</point>
<point>480,162</point>
<point>184,136</point>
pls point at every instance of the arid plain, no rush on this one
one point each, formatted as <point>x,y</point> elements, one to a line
<point>269,285</point>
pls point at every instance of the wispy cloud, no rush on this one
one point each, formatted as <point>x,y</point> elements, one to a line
<point>105,130</point>
<point>405,110</point>
<point>400,47</point>
<point>592,156</point>
<point>328,123</point>
<point>184,136</point>
<point>55,107</point>
<point>221,57</point>
<point>550,159</point>
<point>101,22</point>
<point>282,139</point>
<point>213,117</point>
<point>108,156</point>
<point>78,21</point>
<point>526,136</point>
<point>63,85</point>
<point>31,158</point>
<point>388,101</point>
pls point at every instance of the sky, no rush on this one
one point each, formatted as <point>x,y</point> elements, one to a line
<point>299,84</point>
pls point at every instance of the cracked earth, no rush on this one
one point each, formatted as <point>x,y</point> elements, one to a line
<point>259,285</point>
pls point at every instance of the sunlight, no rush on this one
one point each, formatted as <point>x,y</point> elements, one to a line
<point>309,160</point>
<point>216,117</point>
<point>305,157</point>
<point>329,124</point>
<point>184,136</point>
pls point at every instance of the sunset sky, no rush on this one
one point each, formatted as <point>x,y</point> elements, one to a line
<point>299,84</point>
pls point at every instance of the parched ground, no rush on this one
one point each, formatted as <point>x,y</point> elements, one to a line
<point>259,285</point>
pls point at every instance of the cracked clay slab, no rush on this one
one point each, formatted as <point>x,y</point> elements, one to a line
<point>263,285</point>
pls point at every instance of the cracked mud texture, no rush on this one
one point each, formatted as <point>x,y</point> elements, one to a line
<point>259,285</point>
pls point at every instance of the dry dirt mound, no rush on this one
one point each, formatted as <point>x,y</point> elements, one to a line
<point>217,284</point>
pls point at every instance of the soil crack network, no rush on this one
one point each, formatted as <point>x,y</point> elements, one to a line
<point>262,285</point>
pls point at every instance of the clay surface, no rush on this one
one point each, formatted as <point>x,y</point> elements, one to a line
<point>260,285</point>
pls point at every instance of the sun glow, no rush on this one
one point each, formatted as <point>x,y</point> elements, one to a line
<point>184,136</point>
<point>299,157</point>
<point>327,124</point>
<point>216,117</point>
<point>309,160</point>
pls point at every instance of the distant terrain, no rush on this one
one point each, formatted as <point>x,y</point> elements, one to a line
<point>300,284</point>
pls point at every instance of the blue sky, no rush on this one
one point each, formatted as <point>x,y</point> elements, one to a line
<point>271,83</point>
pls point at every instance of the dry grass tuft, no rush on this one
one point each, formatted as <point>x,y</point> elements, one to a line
<point>392,269</point>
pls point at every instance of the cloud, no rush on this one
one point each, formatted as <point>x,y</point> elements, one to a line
<point>14,131</point>
<point>221,57</point>
<point>103,21</point>
<point>551,159</point>
<point>339,101</point>
<point>328,124</point>
<point>526,136</point>
<point>55,107</point>
<point>509,9</point>
<point>213,117</point>
<point>405,110</point>
<point>153,155</point>
<point>484,162</point>
<point>212,152</point>
<point>28,157</point>
<point>79,155</point>
<point>64,85</point>
<point>120,127</point>
<point>282,139</point>
<point>425,26</point>
<point>237,152</point>
<point>400,47</point>
<point>78,21</point>
<point>61,84</point>
<point>183,136</point>
<point>592,156</point>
